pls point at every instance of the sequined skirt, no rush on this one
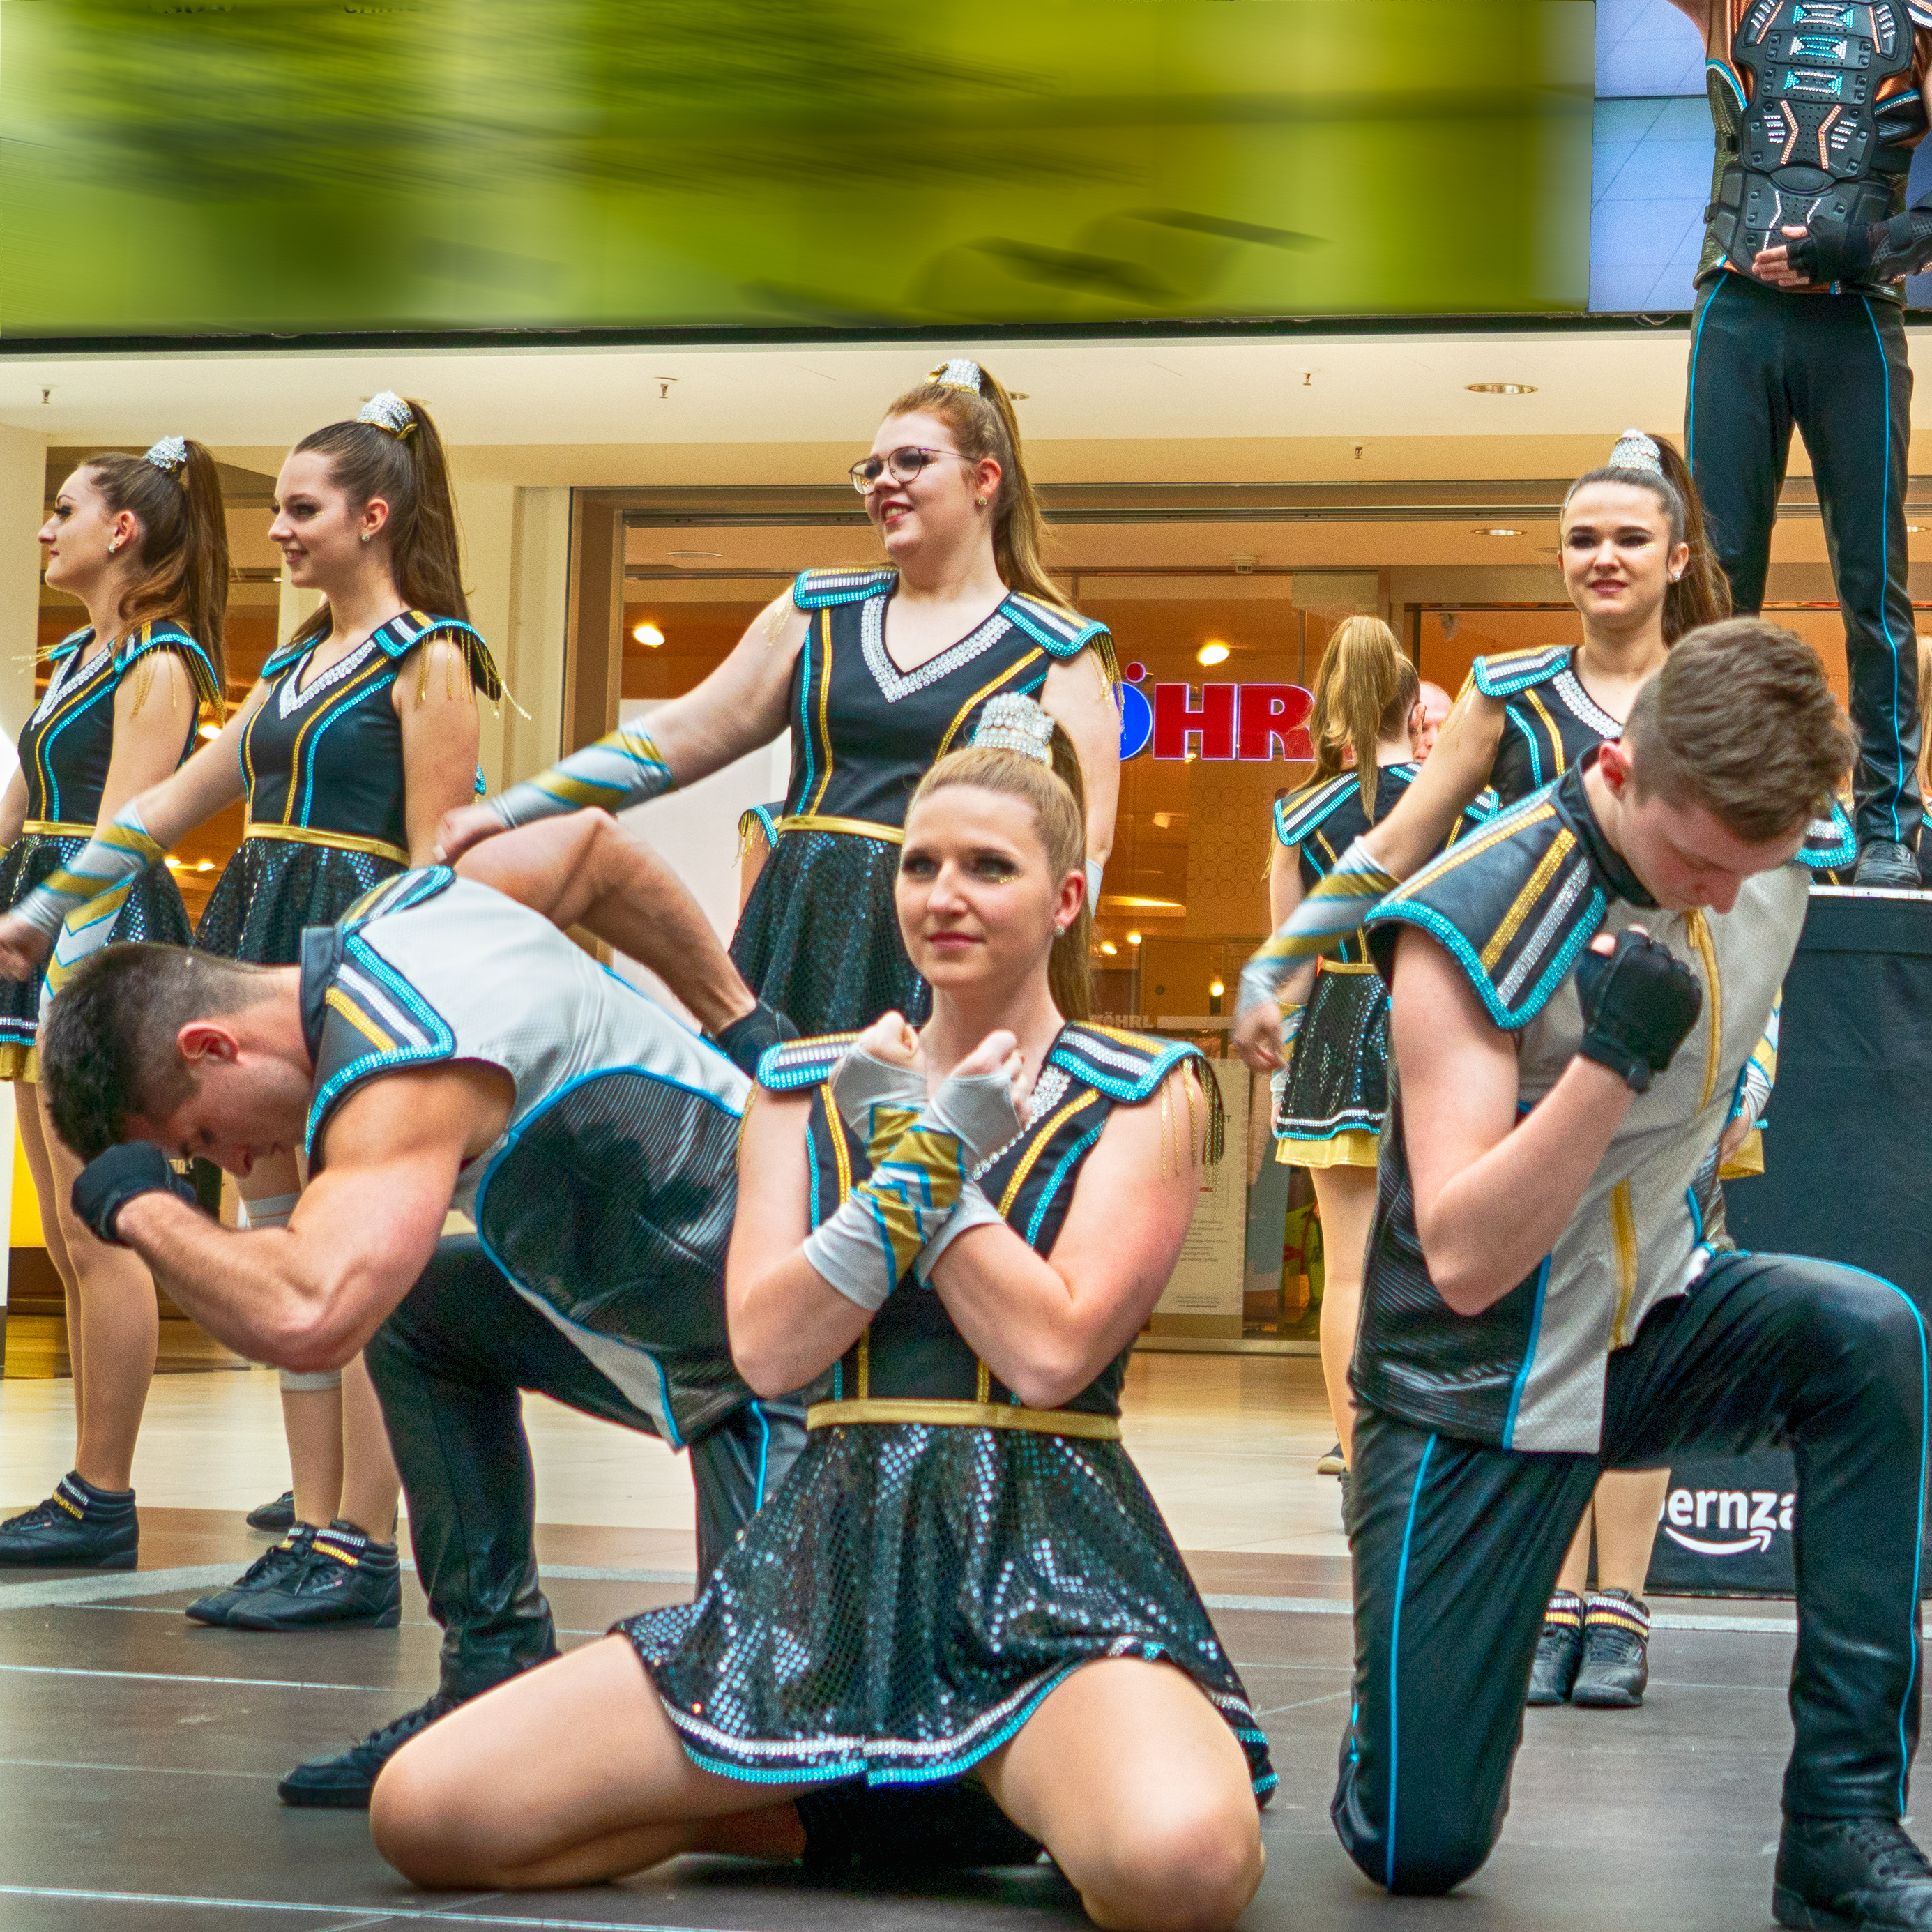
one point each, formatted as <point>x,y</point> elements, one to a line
<point>272,888</point>
<point>1338,1075</point>
<point>819,936</point>
<point>903,1603</point>
<point>153,910</point>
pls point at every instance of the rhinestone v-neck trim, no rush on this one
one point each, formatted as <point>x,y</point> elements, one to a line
<point>895,684</point>
<point>56,690</point>
<point>289,698</point>
<point>1582,706</point>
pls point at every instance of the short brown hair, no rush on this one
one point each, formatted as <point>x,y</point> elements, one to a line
<point>1740,721</point>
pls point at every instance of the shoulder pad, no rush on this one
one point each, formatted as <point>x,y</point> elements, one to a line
<point>71,643</point>
<point>1513,904</point>
<point>818,590</point>
<point>401,635</point>
<point>396,894</point>
<point>279,659</point>
<point>763,818</point>
<point>794,1064</point>
<point>1065,633</point>
<point>1126,1066</point>
<point>1508,672</point>
<point>1298,815</point>
<point>374,1022</point>
<point>166,635</point>
<point>1831,843</point>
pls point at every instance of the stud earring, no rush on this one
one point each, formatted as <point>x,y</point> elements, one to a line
<point>114,546</point>
<point>366,535</point>
<point>980,502</point>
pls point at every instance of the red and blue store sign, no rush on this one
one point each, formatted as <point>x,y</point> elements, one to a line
<point>1256,722</point>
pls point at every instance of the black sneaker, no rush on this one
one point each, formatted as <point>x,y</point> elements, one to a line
<point>1885,862</point>
<point>343,1578</point>
<point>278,1518</point>
<point>1834,1872</point>
<point>1559,1650</point>
<point>77,1528</point>
<point>273,1567</point>
<point>1616,1661</point>
<point>343,1782</point>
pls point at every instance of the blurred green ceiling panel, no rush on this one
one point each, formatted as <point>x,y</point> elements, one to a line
<point>290,166</point>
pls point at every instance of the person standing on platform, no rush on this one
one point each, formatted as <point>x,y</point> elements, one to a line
<point>1639,569</point>
<point>1573,995</point>
<point>361,733</point>
<point>876,673</point>
<point>941,1231</point>
<point>1800,322</point>
<point>143,542</point>
<point>1332,1091</point>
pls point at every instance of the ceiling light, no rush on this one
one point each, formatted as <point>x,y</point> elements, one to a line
<point>1497,530</point>
<point>173,865</point>
<point>1912,530</point>
<point>1133,939</point>
<point>1211,654</point>
<point>649,635</point>
<point>1107,946</point>
<point>1500,389</point>
<point>204,865</point>
<point>1215,989</point>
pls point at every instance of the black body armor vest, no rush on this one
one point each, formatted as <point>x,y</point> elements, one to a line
<point>1813,137</point>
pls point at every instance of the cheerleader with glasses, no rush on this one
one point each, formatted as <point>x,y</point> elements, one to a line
<point>874,674</point>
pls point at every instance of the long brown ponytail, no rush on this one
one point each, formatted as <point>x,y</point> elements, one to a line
<point>985,424</point>
<point>1703,595</point>
<point>183,547</point>
<point>1058,796</point>
<point>410,472</point>
<point>1364,690</point>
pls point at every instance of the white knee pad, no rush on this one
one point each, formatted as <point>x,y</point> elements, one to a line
<point>295,1382</point>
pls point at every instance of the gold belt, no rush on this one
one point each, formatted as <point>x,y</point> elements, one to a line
<point>57,828</point>
<point>965,1415</point>
<point>856,828</point>
<point>1348,966</point>
<point>343,842</point>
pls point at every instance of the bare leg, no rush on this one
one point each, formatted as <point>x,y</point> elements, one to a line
<point>569,1774</point>
<point>1627,1505</point>
<point>1346,1196</point>
<point>370,1483</point>
<point>113,1329</point>
<point>312,1419</point>
<point>34,1144</point>
<point>1135,1783</point>
<point>1574,1575</point>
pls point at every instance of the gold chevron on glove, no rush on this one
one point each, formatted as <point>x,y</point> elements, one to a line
<point>621,769</point>
<point>912,1191</point>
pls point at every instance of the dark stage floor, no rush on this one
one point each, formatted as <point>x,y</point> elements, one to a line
<point>140,1754</point>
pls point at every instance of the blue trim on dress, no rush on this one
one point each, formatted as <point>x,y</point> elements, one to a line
<point>1494,681</point>
<point>1073,1153</point>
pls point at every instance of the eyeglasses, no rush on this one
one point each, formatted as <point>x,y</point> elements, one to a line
<point>902,465</point>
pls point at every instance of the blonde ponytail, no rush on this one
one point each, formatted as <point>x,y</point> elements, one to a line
<point>1364,690</point>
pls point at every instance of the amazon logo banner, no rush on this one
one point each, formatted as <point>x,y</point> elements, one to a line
<point>1725,1530</point>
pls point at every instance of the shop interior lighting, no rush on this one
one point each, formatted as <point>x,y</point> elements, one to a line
<point>1213,653</point>
<point>1133,939</point>
<point>1500,389</point>
<point>1107,946</point>
<point>649,635</point>
<point>1498,530</point>
<point>210,731</point>
<point>1215,989</point>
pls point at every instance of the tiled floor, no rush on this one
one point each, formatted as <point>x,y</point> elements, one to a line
<point>138,1753</point>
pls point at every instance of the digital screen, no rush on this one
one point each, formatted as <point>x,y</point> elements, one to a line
<point>286,165</point>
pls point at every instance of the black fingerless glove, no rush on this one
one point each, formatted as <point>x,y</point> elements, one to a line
<point>745,1042</point>
<point>1831,251</point>
<point>1639,1002</point>
<point>109,1181</point>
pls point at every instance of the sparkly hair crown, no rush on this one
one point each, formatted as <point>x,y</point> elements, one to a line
<point>168,455</point>
<point>1011,723</point>
<point>1636,452</point>
<point>959,374</point>
<point>388,412</point>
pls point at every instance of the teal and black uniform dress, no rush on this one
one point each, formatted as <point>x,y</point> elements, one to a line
<point>819,936</point>
<point>940,1556</point>
<point>64,754</point>
<point>1550,722</point>
<point>322,761</point>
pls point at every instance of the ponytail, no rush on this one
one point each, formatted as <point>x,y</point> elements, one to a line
<point>1364,690</point>
<point>398,455</point>
<point>985,423</point>
<point>1703,595</point>
<point>1058,796</point>
<point>183,546</point>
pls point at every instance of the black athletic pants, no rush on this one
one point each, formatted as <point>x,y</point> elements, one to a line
<point>1833,367</point>
<point>1456,1547</point>
<point>450,1365</point>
